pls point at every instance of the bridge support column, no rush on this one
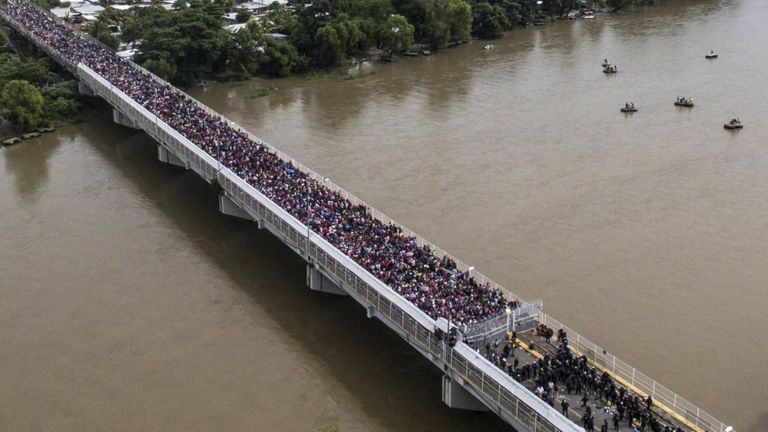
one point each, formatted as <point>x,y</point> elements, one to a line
<point>167,156</point>
<point>230,208</point>
<point>84,89</point>
<point>456,396</point>
<point>122,119</point>
<point>317,281</point>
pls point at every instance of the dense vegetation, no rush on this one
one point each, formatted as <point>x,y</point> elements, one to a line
<point>31,93</point>
<point>191,43</point>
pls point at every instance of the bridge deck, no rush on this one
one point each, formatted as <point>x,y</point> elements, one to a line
<point>531,348</point>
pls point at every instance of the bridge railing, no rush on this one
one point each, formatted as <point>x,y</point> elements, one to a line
<point>40,43</point>
<point>375,213</point>
<point>509,396</point>
<point>669,401</point>
<point>495,386</point>
<point>296,235</point>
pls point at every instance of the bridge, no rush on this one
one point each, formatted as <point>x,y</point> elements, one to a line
<point>463,347</point>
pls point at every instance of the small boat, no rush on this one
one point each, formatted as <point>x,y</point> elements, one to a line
<point>610,69</point>
<point>589,17</point>
<point>734,124</point>
<point>711,55</point>
<point>684,102</point>
<point>628,109</point>
<point>488,47</point>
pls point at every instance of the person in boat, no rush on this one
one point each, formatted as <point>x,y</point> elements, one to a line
<point>626,105</point>
<point>735,121</point>
<point>605,63</point>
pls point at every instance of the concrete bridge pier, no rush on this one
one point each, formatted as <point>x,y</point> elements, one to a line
<point>317,281</point>
<point>230,208</point>
<point>167,156</point>
<point>456,396</point>
<point>123,120</point>
<point>84,89</point>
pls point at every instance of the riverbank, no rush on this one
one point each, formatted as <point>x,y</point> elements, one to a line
<point>36,95</point>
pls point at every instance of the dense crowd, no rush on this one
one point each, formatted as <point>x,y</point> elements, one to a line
<point>434,284</point>
<point>554,376</point>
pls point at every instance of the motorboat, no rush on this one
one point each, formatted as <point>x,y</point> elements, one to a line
<point>488,47</point>
<point>712,55</point>
<point>629,108</point>
<point>684,102</point>
<point>734,124</point>
<point>610,69</point>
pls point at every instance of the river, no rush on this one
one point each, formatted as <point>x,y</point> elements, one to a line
<point>128,303</point>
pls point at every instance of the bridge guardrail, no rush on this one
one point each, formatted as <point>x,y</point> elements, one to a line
<point>675,405</point>
<point>414,322</point>
<point>207,166</point>
<point>480,277</point>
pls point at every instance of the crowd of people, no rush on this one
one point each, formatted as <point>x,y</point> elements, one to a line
<point>562,374</point>
<point>433,283</point>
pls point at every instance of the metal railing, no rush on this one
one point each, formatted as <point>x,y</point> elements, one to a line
<point>675,405</point>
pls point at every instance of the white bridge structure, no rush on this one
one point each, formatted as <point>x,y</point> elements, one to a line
<point>469,380</point>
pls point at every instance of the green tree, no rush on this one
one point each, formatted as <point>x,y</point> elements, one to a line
<point>244,53</point>
<point>348,31</point>
<point>22,104</point>
<point>489,21</point>
<point>109,40</point>
<point>396,34</point>
<point>35,71</point>
<point>459,19</point>
<point>242,15</point>
<point>279,58</point>
<point>161,67</point>
<point>447,20</point>
<point>193,42</point>
<point>115,17</point>
<point>279,19</point>
<point>329,50</point>
<point>62,100</point>
<point>100,30</point>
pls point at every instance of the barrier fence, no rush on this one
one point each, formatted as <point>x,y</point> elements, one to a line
<point>672,403</point>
